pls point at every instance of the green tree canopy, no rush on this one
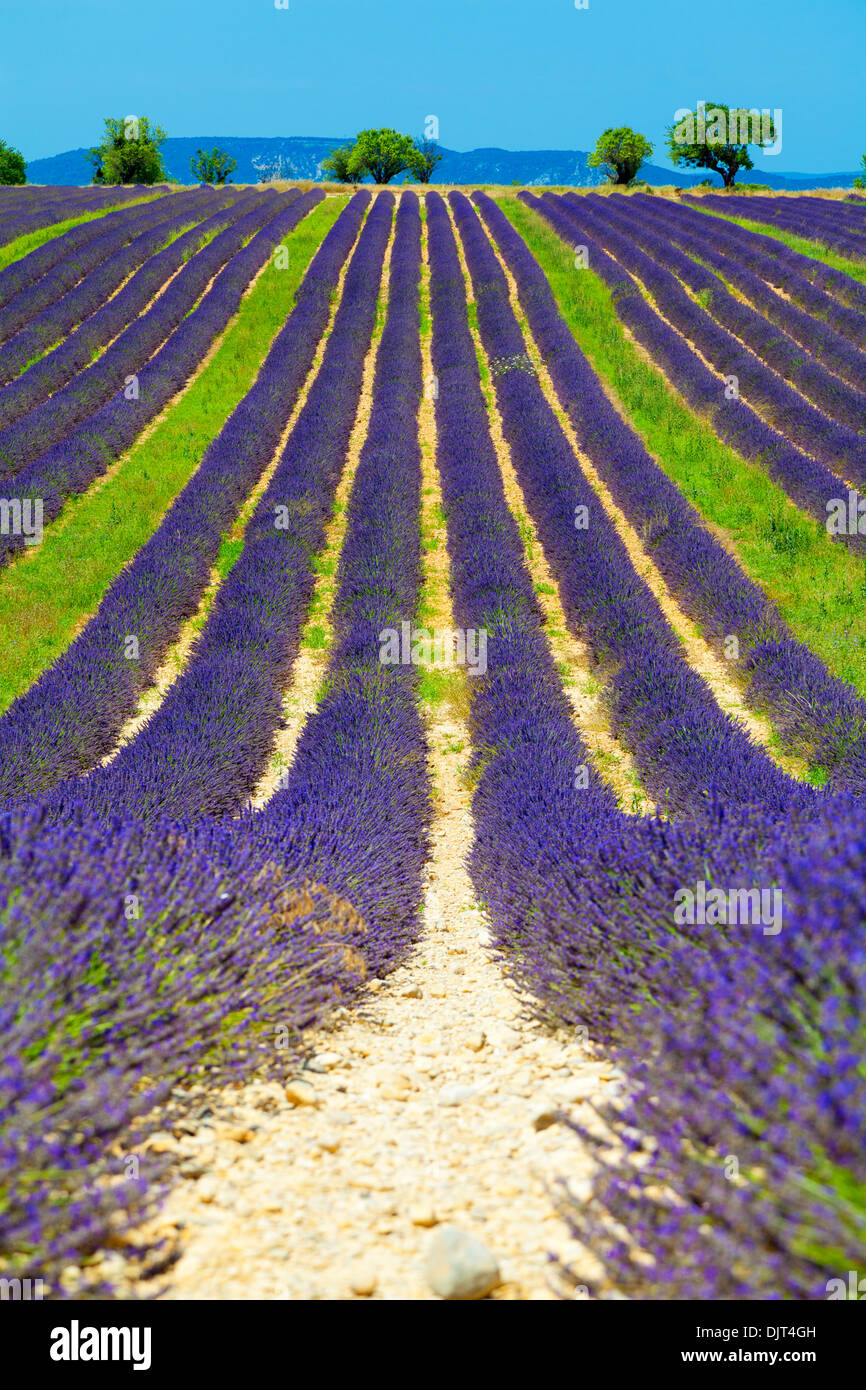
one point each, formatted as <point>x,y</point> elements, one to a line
<point>213,166</point>
<point>425,159</point>
<point>338,165</point>
<point>718,137</point>
<point>620,152</point>
<point>129,152</point>
<point>859,182</point>
<point>12,166</point>
<point>382,154</point>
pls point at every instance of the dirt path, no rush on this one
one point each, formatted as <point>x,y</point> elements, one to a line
<point>431,1105</point>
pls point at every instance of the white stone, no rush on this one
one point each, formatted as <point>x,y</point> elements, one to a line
<point>459,1265</point>
<point>363,1281</point>
<point>454,1094</point>
<point>301,1092</point>
<point>423,1215</point>
<point>324,1061</point>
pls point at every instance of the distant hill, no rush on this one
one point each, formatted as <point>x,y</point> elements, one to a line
<point>299,156</point>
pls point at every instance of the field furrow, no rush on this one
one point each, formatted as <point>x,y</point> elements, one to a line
<point>204,749</point>
<point>809,708</point>
<point>66,337</point>
<point>49,732</point>
<point>811,485</point>
<point>744,376</point>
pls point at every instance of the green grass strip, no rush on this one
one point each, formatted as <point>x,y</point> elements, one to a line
<point>818,586</point>
<point>31,241</point>
<point>815,250</point>
<point>46,596</point>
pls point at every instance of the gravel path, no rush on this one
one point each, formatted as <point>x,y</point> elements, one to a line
<point>431,1104</point>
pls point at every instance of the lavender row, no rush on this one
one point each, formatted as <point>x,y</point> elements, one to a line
<point>249,938</point>
<point>750,272</point>
<point>812,223</point>
<point>739,1030</point>
<point>25,445</point>
<point>38,295</point>
<point>783,354</point>
<point>68,469</point>
<point>685,748</point>
<point>843,218</point>
<point>32,267</point>
<point>839,447</point>
<point>138,962</point>
<point>823,293</point>
<point>72,716</point>
<point>116,313</point>
<point>841,287</point>
<point>851,206</point>
<point>815,714</point>
<point>530,806</point>
<point>803,224</point>
<point>61,204</point>
<point>56,320</point>
<point>809,484</point>
<point>581,899</point>
<point>554,902</point>
<point>205,748</point>
<point>355,808</point>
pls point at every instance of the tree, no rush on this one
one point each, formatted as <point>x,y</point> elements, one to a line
<point>213,166</point>
<point>337,166</point>
<point>858,182</point>
<point>12,166</point>
<point>425,159</point>
<point>381,154</point>
<point>129,152</point>
<point>718,137</point>
<point>620,152</point>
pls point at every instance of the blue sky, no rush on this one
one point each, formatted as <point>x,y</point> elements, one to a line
<point>522,74</point>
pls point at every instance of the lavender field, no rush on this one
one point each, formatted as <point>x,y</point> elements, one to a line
<point>432,743</point>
